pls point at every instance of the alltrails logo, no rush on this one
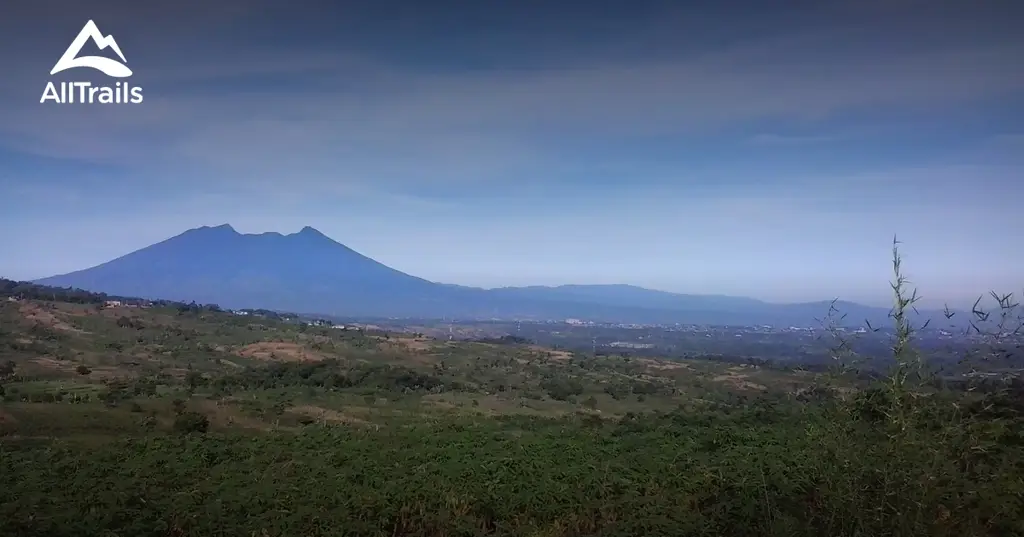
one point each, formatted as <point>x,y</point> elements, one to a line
<point>85,92</point>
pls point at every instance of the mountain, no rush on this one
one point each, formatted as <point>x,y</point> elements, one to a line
<point>309,272</point>
<point>304,271</point>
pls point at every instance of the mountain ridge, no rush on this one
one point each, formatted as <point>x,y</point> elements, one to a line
<point>309,271</point>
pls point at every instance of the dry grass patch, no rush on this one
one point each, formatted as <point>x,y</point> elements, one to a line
<point>285,352</point>
<point>326,415</point>
<point>550,353</point>
<point>224,416</point>
<point>415,344</point>
<point>437,401</point>
<point>740,381</point>
<point>177,373</point>
<point>110,373</point>
<point>663,365</point>
<point>54,364</point>
<point>35,313</point>
<point>95,372</point>
<point>7,419</point>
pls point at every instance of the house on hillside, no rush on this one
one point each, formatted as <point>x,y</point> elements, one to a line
<point>112,303</point>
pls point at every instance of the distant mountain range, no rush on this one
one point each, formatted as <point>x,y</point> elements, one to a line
<point>307,272</point>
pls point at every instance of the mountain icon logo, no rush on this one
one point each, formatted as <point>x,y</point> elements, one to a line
<point>107,66</point>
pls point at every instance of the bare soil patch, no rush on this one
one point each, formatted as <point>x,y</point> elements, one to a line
<point>551,353</point>
<point>105,372</point>
<point>225,416</point>
<point>325,414</point>
<point>96,372</point>
<point>740,381</point>
<point>663,365</point>
<point>438,403</point>
<point>415,344</point>
<point>33,312</point>
<point>285,352</point>
<point>422,358</point>
<point>177,373</point>
<point>51,363</point>
<point>7,419</point>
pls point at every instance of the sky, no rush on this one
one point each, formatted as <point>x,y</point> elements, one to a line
<point>762,149</point>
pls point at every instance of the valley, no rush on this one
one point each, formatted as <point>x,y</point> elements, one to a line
<point>172,418</point>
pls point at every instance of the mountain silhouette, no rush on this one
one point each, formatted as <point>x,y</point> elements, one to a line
<point>308,272</point>
<point>304,271</point>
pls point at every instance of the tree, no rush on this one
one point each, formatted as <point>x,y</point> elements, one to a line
<point>7,369</point>
<point>193,379</point>
<point>191,422</point>
<point>83,370</point>
<point>562,389</point>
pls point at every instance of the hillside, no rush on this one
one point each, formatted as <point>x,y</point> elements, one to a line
<point>309,272</point>
<point>50,342</point>
<point>177,419</point>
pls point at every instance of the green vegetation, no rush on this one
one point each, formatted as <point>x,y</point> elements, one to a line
<point>172,420</point>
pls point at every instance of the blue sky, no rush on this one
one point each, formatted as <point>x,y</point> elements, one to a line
<point>704,147</point>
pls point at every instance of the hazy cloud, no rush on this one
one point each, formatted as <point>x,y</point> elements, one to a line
<point>526,137</point>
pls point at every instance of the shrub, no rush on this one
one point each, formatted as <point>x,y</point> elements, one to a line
<point>191,422</point>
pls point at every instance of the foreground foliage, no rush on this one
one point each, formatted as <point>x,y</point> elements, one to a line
<point>767,469</point>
